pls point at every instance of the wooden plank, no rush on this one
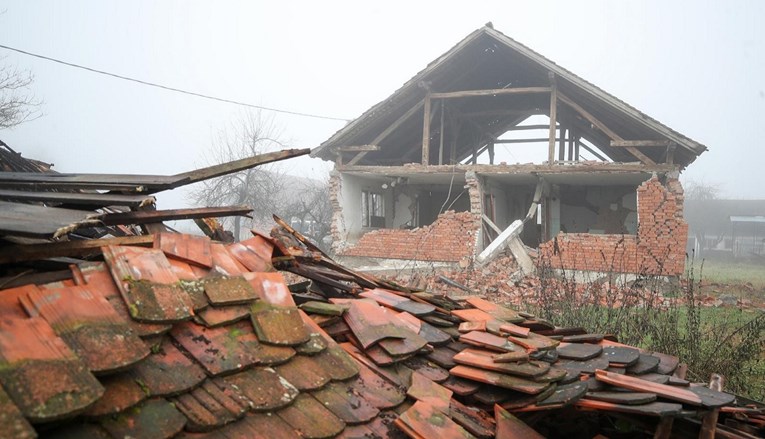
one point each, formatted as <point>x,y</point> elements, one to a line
<point>40,221</point>
<point>489,92</point>
<point>358,148</point>
<point>155,216</point>
<point>80,198</point>
<point>33,252</point>
<point>553,117</point>
<point>639,143</point>
<point>533,140</point>
<point>640,385</point>
<point>426,131</point>
<point>198,175</point>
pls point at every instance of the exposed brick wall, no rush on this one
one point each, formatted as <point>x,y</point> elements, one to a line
<point>451,238</point>
<point>657,249</point>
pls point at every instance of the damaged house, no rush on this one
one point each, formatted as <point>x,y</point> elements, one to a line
<point>432,172</point>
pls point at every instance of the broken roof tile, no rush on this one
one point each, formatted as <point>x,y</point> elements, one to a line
<point>460,386</point>
<point>212,405</point>
<point>656,408</point>
<point>473,419</point>
<point>565,394</point>
<point>499,312</point>
<point>323,308</point>
<point>148,284</point>
<point>397,302</point>
<point>442,356</point>
<point>10,301</point>
<point>192,249</point>
<point>645,364</point>
<point>424,420</point>
<point>337,363</point>
<point>167,371</point>
<point>346,404</point>
<point>378,391</point>
<point>156,418</point>
<point>225,290</point>
<point>490,341</point>
<point>258,426</point>
<point>621,397</point>
<point>90,326</point>
<point>534,341</point>
<point>271,288</point>
<point>220,350</point>
<point>41,374</point>
<point>578,351</point>
<point>370,323</point>
<point>12,421</point>
<point>499,379</point>
<point>433,335</point>
<point>484,360</point>
<point>424,389</point>
<point>254,253</point>
<point>624,356</point>
<point>122,392</point>
<point>640,385</point>
<point>315,345</point>
<point>311,419</point>
<point>510,427</point>
<point>278,325</point>
<point>264,388</point>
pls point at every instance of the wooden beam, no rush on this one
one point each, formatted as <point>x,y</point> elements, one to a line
<point>607,131</point>
<point>34,252</point>
<point>590,150</point>
<point>145,217</point>
<point>534,140</point>
<point>441,141</point>
<point>358,148</point>
<point>636,143</point>
<point>237,165</point>
<point>528,127</point>
<point>426,131</point>
<point>78,198</point>
<point>671,153</point>
<point>562,145</point>
<point>491,92</point>
<point>553,113</point>
<point>387,131</point>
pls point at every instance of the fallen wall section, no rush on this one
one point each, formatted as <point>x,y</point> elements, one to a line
<point>657,249</point>
<point>451,238</point>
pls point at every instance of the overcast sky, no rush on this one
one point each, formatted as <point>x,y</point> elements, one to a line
<point>697,66</point>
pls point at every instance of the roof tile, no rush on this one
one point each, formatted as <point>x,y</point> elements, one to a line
<point>212,316</point>
<point>220,350</point>
<point>254,253</point>
<point>156,418</point>
<point>122,392</point>
<point>148,284</point>
<point>278,325</point>
<point>265,389</point>
<point>41,374</point>
<point>90,326</point>
<point>224,263</point>
<point>188,248</point>
<point>225,290</point>
<point>12,421</point>
<point>167,371</point>
<point>346,404</point>
<point>304,372</point>
<point>426,421</point>
<point>311,419</point>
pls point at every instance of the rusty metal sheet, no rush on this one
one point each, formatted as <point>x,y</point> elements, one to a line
<point>510,427</point>
<point>156,418</point>
<point>483,359</point>
<point>167,371</point>
<point>42,376</point>
<point>12,421</point>
<point>499,379</point>
<point>90,326</point>
<point>264,388</point>
<point>147,284</point>
<point>351,407</point>
<point>311,419</point>
<point>426,421</point>
<point>254,253</point>
<point>122,392</point>
<point>192,249</point>
<point>220,350</point>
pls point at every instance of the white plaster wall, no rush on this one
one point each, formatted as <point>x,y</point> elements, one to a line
<point>402,213</point>
<point>350,201</point>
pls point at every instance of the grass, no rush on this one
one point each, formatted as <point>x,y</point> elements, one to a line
<point>729,272</point>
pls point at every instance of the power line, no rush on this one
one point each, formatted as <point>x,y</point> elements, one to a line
<point>164,87</point>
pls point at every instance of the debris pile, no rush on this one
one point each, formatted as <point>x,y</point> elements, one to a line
<point>174,335</point>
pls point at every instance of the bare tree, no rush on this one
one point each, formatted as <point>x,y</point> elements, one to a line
<point>310,212</point>
<point>17,104</point>
<point>260,187</point>
<point>701,190</point>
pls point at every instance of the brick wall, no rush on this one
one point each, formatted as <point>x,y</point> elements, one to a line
<point>451,238</point>
<point>657,249</point>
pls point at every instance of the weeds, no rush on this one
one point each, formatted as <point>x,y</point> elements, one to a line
<point>660,315</point>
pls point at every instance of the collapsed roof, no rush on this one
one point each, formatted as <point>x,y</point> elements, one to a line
<point>489,60</point>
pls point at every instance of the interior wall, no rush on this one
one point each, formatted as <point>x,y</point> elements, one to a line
<point>349,200</point>
<point>512,202</point>
<point>597,209</point>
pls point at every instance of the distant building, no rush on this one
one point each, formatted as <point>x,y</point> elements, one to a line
<point>726,228</point>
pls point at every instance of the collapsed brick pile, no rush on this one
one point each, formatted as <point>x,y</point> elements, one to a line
<point>451,238</point>
<point>657,249</point>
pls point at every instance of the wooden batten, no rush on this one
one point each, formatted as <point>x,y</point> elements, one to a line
<point>640,143</point>
<point>490,92</point>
